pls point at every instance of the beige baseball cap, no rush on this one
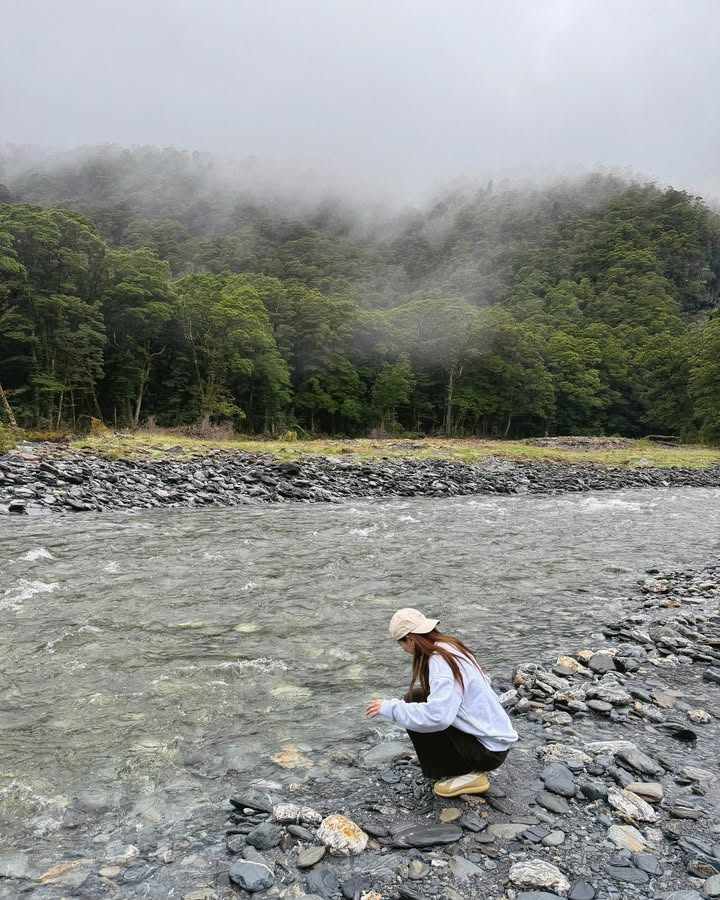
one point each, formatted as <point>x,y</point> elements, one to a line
<point>410,620</point>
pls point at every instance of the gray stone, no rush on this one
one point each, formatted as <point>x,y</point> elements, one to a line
<point>627,874</point>
<point>251,876</point>
<point>553,803</point>
<point>252,799</point>
<point>417,869</point>
<point>426,835</point>
<point>309,856</point>
<point>650,791</point>
<point>711,888</point>
<point>506,831</point>
<point>357,885</point>
<point>322,881</point>
<point>682,895</point>
<point>600,706</point>
<point>581,890</point>
<point>383,754</point>
<point>536,895</point>
<point>600,663</point>
<point>559,780</point>
<point>639,762</point>
<point>554,839</point>
<point>235,843</point>
<point>265,836</point>
<point>301,833</point>
<point>13,865</point>
<point>648,863</point>
<point>462,868</point>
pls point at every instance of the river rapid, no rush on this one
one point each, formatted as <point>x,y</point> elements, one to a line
<point>152,660</point>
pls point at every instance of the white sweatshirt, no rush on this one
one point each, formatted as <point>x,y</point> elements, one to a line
<point>476,710</point>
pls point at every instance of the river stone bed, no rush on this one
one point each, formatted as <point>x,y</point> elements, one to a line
<point>635,812</point>
<point>43,478</point>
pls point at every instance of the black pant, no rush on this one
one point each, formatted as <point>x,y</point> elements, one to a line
<point>443,754</point>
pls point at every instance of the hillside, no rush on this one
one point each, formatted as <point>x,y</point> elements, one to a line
<point>154,283</point>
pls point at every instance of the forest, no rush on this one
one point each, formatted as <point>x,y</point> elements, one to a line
<point>151,285</point>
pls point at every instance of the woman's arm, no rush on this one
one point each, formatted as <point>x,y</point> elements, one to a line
<point>440,709</point>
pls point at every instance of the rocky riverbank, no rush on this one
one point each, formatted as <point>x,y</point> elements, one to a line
<point>612,792</point>
<point>40,479</point>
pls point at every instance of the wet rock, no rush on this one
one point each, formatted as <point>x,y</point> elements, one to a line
<point>600,663</point>
<point>471,821</point>
<point>712,675</point>
<point>552,803</point>
<point>426,835</point>
<point>417,869</point>
<point>301,833</point>
<point>627,874</point>
<point>559,780</point>
<point>13,865</point>
<point>265,836</point>
<point>647,862</point>
<point>650,791</point>
<point>450,814</point>
<point>309,856</point>
<point>555,752</point>
<point>581,890</point>
<point>251,876</point>
<point>506,831</point>
<point>252,799</point>
<point>538,873</point>
<point>463,869</point>
<point>323,882</point>
<point>385,753</point>
<point>627,837</point>
<point>287,813</point>
<point>700,716</point>
<point>342,836</point>
<point>630,807</point>
<point>639,762</point>
<point>357,885</point>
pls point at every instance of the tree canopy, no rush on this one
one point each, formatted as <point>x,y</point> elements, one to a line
<point>133,284</point>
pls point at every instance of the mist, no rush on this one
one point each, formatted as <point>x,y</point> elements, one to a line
<point>381,100</point>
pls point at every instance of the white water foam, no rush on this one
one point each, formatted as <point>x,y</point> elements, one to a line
<point>14,597</point>
<point>37,553</point>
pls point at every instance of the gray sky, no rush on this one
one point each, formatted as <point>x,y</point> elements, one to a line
<point>392,94</point>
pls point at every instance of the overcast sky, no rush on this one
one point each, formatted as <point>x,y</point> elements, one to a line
<point>391,93</point>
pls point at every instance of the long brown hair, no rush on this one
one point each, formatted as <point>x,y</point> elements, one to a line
<point>425,645</point>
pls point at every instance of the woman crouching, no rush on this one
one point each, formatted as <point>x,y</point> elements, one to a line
<point>454,718</point>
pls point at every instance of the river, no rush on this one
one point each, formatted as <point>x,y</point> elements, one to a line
<point>150,660</point>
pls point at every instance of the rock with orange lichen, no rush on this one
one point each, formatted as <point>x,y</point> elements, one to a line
<point>341,835</point>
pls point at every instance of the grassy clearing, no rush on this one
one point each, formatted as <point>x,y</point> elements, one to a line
<point>643,453</point>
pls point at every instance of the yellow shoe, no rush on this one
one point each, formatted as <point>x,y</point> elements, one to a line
<point>472,783</point>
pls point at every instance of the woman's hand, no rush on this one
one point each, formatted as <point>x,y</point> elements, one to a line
<point>373,708</point>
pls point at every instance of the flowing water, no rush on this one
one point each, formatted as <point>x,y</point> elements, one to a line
<point>148,657</point>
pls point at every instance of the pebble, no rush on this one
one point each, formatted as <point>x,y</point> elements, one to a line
<point>426,835</point>
<point>341,835</point>
<point>322,881</point>
<point>627,874</point>
<point>581,890</point>
<point>552,802</point>
<point>538,873</point>
<point>265,836</point>
<point>450,814</point>
<point>251,876</point>
<point>650,791</point>
<point>84,481</point>
<point>309,856</point>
